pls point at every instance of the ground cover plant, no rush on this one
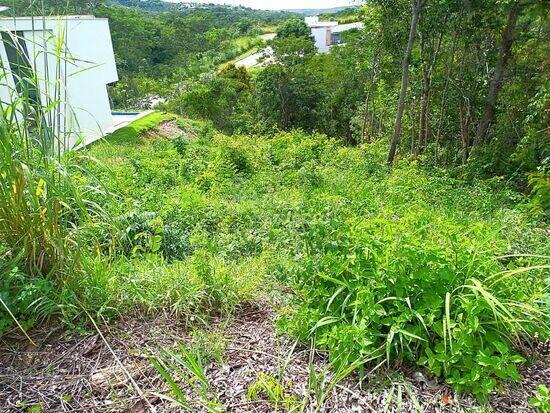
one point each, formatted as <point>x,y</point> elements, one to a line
<point>436,265</point>
<point>397,266</point>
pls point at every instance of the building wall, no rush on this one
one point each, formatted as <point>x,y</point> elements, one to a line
<point>311,20</point>
<point>321,34</point>
<point>86,67</point>
<point>327,33</point>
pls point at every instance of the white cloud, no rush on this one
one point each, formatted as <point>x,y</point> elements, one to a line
<point>281,4</point>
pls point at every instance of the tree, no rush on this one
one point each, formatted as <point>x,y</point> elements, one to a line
<point>416,6</point>
<point>291,50</point>
<point>496,83</point>
<point>293,27</point>
<point>273,95</point>
<point>51,7</point>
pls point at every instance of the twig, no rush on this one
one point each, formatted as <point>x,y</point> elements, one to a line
<point>17,322</point>
<point>138,389</point>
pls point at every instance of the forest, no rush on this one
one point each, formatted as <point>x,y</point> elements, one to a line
<point>474,82</point>
<point>359,230</point>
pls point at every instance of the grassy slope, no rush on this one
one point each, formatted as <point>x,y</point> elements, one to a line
<point>128,135</point>
<point>247,46</point>
<point>211,219</point>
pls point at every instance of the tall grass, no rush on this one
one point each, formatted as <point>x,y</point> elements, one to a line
<point>45,209</point>
<point>39,202</point>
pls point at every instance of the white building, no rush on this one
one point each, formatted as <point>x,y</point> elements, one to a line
<point>328,33</point>
<point>86,66</point>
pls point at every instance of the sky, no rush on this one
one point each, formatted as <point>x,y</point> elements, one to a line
<point>282,4</point>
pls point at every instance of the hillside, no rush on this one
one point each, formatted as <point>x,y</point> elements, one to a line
<point>315,12</point>
<point>247,239</point>
<point>357,222</point>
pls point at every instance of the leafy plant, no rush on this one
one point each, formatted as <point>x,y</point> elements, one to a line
<point>541,399</point>
<point>182,364</point>
<point>268,386</point>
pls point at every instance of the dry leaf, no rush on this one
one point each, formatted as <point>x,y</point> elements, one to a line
<point>446,399</point>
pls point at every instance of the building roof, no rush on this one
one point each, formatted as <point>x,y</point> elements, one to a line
<point>323,24</point>
<point>348,26</point>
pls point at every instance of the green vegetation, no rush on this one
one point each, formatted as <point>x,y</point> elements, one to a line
<point>268,386</point>
<point>176,46</point>
<point>432,255</point>
<point>446,116</point>
<point>130,133</point>
<point>187,364</point>
<point>46,212</point>
<point>293,28</point>
<point>176,43</point>
<point>541,400</point>
<point>349,15</point>
<point>401,265</point>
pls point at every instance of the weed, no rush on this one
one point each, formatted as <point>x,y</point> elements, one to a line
<point>187,366</point>
<point>270,387</point>
<point>209,345</point>
<point>541,399</point>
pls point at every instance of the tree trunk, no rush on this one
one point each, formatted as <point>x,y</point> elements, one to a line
<point>427,75</point>
<point>450,66</point>
<point>366,115</point>
<point>368,98</point>
<point>465,117</point>
<point>423,128</point>
<point>417,6</point>
<point>373,116</point>
<point>496,83</point>
<point>411,120</point>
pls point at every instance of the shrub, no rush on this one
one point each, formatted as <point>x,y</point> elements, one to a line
<point>180,144</point>
<point>139,232</point>
<point>540,191</point>
<point>18,291</point>
<point>417,284</point>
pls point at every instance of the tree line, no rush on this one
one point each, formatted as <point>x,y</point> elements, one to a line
<point>450,83</point>
<point>157,45</point>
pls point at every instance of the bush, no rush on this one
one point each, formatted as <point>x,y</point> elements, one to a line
<point>540,191</point>
<point>18,291</point>
<point>419,284</point>
<point>404,265</point>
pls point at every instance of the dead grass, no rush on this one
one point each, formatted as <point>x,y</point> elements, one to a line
<point>79,373</point>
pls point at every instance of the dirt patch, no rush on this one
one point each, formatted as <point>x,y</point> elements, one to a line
<point>81,373</point>
<point>169,129</point>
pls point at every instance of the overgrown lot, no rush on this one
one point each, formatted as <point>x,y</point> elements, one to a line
<point>380,266</point>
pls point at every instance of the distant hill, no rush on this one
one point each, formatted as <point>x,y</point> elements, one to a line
<point>349,15</point>
<point>159,6</point>
<point>147,5</point>
<point>162,6</point>
<point>315,12</point>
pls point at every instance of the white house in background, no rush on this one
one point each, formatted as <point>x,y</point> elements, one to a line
<point>86,67</point>
<point>328,33</point>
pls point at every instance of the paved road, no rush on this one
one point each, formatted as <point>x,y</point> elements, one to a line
<point>254,59</point>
